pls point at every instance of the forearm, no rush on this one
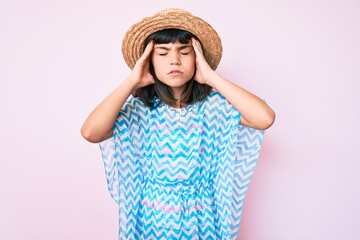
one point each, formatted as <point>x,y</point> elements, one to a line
<point>255,112</point>
<point>98,125</point>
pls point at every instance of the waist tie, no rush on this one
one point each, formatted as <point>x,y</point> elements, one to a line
<point>185,192</point>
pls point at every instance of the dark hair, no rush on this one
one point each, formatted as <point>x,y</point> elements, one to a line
<point>193,92</point>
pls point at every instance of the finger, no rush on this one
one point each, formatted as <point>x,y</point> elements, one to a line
<point>197,46</point>
<point>148,49</point>
<point>196,49</point>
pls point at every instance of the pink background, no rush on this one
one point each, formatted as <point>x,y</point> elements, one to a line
<point>59,59</point>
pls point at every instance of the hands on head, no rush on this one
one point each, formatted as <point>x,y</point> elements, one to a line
<point>203,70</point>
<point>141,71</point>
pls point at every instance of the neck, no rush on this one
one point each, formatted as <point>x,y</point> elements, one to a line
<point>177,92</point>
<point>177,104</point>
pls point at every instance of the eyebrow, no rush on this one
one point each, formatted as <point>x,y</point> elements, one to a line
<point>168,48</point>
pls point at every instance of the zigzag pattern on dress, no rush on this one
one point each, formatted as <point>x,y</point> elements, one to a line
<point>180,177</point>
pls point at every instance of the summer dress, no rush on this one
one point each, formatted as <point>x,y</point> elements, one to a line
<point>180,174</point>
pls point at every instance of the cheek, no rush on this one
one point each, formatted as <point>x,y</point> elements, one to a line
<point>192,62</point>
<point>191,66</point>
<point>158,61</point>
<point>156,65</point>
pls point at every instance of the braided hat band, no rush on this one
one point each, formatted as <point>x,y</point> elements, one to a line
<point>132,45</point>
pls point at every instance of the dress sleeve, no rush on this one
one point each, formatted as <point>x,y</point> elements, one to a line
<point>248,148</point>
<point>240,150</point>
<point>112,149</point>
<point>107,148</point>
<point>123,163</point>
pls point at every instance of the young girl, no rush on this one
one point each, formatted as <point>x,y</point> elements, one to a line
<point>178,155</point>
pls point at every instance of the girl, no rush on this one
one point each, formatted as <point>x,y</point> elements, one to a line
<point>178,155</point>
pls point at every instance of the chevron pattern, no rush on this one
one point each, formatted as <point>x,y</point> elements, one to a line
<point>180,178</point>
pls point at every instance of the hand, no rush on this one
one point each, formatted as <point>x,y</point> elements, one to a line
<point>203,70</point>
<point>140,74</point>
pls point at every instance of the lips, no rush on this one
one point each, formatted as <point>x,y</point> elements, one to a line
<point>175,72</point>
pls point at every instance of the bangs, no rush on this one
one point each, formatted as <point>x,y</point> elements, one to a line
<point>170,36</point>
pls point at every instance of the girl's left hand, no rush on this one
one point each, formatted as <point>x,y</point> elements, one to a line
<point>203,70</point>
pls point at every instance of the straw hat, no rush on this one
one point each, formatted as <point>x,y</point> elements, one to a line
<point>132,45</point>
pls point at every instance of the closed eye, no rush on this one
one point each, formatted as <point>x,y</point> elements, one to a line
<point>184,53</point>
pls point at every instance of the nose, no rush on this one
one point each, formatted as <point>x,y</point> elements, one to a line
<point>175,60</point>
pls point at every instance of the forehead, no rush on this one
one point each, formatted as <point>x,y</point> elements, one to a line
<point>171,45</point>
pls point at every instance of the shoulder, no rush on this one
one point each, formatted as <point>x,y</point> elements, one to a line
<point>215,101</point>
<point>134,104</point>
<point>215,94</point>
<point>133,107</point>
<point>216,98</point>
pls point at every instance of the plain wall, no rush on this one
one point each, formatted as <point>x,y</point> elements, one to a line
<point>59,59</point>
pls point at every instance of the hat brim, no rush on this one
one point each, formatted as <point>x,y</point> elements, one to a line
<point>132,45</point>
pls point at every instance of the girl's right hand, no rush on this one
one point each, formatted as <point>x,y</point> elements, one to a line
<point>99,124</point>
<point>140,75</point>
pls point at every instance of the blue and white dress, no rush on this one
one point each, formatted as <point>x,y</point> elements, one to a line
<point>180,174</point>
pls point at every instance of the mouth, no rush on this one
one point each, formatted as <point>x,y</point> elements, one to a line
<point>175,72</point>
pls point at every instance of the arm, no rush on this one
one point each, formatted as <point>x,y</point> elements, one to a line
<point>255,112</point>
<point>98,125</point>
